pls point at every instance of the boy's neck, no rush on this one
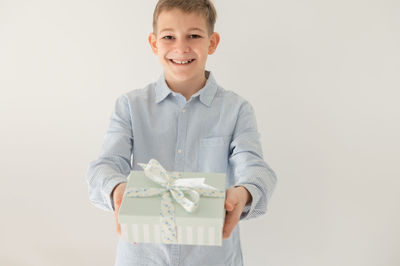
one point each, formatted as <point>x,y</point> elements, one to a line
<point>189,87</point>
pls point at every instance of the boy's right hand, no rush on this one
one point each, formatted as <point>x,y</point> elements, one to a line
<point>117,194</point>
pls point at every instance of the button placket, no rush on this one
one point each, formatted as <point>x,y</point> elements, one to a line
<point>181,140</point>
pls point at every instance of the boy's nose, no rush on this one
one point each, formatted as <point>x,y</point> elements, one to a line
<point>182,46</point>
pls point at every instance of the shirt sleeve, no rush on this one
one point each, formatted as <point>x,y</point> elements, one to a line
<point>247,163</point>
<point>114,162</point>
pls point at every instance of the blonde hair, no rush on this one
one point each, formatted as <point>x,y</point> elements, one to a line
<point>203,7</point>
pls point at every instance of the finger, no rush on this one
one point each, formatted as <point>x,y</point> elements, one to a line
<point>117,204</point>
<point>231,220</point>
<point>118,226</point>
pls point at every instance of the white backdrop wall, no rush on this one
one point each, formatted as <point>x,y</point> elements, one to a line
<point>323,77</point>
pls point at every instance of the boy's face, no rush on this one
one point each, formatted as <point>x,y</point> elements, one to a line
<point>182,44</point>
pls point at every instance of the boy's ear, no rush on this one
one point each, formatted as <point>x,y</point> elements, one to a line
<point>214,40</point>
<point>153,42</point>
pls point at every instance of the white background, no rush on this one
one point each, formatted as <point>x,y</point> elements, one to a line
<point>323,77</point>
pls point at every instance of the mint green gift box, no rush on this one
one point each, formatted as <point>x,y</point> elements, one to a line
<point>140,216</point>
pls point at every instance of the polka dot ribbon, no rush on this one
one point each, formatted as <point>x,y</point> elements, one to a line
<point>185,191</point>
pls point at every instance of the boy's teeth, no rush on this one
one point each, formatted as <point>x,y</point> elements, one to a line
<point>182,62</point>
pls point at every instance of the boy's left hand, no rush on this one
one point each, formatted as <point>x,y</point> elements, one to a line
<point>236,199</point>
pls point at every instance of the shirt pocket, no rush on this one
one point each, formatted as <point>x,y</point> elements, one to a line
<point>213,154</point>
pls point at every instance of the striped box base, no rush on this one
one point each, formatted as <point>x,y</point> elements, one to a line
<point>187,235</point>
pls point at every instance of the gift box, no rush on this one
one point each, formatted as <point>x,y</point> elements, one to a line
<point>173,207</point>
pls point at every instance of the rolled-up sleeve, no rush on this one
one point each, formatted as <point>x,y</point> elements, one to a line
<point>247,163</point>
<point>114,162</point>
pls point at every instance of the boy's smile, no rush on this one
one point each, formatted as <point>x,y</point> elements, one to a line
<point>182,44</point>
<point>185,62</point>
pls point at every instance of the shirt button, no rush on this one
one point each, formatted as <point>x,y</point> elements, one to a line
<point>179,151</point>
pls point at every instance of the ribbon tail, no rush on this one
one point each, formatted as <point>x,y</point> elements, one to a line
<point>167,216</point>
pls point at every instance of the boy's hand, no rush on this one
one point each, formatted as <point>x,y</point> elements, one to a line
<point>236,199</point>
<point>117,194</point>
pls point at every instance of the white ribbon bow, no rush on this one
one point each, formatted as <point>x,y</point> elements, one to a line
<point>185,191</point>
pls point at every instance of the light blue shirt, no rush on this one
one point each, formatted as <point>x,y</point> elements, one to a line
<point>214,131</point>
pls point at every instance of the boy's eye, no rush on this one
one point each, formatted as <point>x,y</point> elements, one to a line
<point>194,36</point>
<point>168,37</point>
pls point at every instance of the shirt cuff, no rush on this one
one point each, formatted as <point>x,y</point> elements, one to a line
<point>249,207</point>
<point>108,188</point>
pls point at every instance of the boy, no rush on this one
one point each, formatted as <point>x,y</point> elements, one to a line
<point>187,122</point>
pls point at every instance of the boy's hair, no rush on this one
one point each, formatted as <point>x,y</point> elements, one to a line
<point>203,7</point>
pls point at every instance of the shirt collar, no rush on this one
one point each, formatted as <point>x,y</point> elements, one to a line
<point>206,93</point>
